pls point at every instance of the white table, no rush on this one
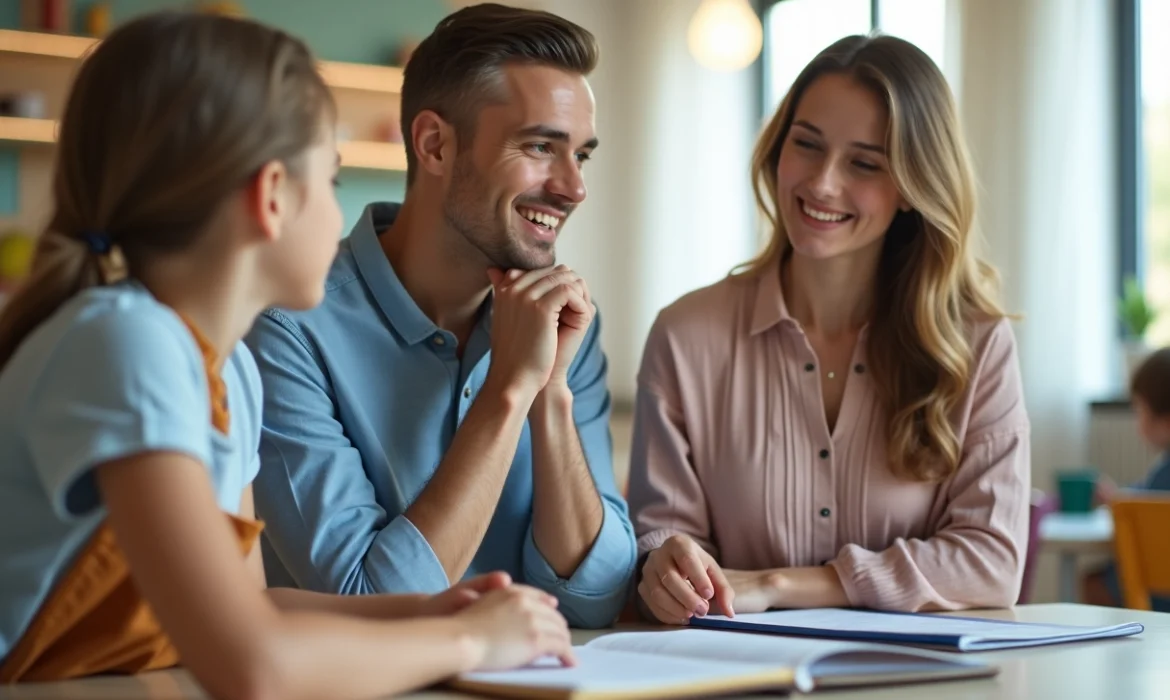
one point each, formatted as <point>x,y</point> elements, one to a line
<point>1071,535</point>
<point>1133,668</point>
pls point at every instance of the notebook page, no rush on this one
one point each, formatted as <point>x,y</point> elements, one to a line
<point>834,619</point>
<point>867,663</point>
<point>775,652</point>
<point>602,670</point>
<point>772,651</point>
<point>875,668</point>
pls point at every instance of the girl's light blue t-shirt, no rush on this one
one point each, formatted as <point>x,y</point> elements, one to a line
<point>111,374</point>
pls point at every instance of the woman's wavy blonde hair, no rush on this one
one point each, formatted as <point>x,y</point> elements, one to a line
<point>930,284</point>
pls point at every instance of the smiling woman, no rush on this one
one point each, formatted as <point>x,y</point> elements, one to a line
<point>842,421</point>
<point>833,181</point>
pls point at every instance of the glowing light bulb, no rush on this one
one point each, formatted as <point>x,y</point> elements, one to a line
<point>725,35</point>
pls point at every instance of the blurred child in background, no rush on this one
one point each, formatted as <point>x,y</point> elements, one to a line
<point>1150,396</point>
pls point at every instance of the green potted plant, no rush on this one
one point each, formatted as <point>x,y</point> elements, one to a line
<point>1136,316</point>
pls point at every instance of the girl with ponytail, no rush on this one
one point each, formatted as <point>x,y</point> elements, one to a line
<point>192,190</point>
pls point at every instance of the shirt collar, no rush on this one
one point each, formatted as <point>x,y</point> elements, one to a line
<point>770,308</point>
<point>396,303</point>
<point>399,308</point>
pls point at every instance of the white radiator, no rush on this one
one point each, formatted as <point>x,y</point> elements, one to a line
<point>1115,448</point>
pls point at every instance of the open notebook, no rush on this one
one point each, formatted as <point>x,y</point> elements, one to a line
<point>951,633</point>
<point>694,662</point>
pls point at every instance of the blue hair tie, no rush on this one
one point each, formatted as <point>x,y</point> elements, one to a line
<point>97,242</point>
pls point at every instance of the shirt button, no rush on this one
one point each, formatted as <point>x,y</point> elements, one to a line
<point>467,392</point>
<point>859,368</point>
<point>809,367</point>
<point>439,340</point>
<point>825,512</point>
<point>824,454</point>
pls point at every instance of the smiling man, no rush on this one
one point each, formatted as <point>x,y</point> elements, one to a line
<point>444,412</point>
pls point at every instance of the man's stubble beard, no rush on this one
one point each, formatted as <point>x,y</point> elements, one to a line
<point>466,213</point>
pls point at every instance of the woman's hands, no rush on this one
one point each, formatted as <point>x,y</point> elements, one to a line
<point>681,580</point>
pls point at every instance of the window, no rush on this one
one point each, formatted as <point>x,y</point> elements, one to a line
<point>921,22</point>
<point>1153,200</point>
<point>797,30</point>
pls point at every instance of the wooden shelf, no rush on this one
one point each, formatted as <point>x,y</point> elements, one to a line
<point>28,130</point>
<point>360,76</point>
<point>371,155</point>
<point>40,44</point>
<point>339,75</point>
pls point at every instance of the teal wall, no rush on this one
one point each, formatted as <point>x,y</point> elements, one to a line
<point>9,195</point>
<point>362,31</point>
<point>10,14</point>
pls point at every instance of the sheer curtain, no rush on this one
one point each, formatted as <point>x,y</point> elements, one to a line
<point>1037,103</point>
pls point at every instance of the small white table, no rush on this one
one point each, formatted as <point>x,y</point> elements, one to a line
<point>1071,535</point>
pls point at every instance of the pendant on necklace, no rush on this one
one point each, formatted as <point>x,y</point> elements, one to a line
<point>832,374</point>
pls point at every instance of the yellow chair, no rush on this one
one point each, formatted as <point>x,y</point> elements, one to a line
<point>1141,543</point>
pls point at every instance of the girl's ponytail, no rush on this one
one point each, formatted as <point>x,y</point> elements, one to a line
<point>62,266</point>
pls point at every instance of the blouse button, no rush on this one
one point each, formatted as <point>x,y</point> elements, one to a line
<point>809,367</point>
<point>859,368</point>
<point>825,512</point>
<point>467,392</point>
<point>824,454</point>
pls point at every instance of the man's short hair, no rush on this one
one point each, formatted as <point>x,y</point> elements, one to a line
<point>454,70</point>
